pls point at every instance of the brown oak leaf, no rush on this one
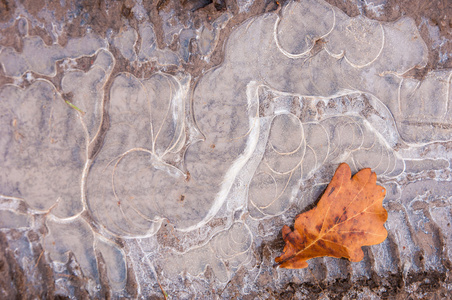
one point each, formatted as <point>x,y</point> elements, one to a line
<point>348,216</point>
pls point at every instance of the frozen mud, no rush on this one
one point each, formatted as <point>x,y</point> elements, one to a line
<point>124,170</point>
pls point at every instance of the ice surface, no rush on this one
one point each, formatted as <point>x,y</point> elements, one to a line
<point>125,42</point>
<point>42,148</point>
<point>10,219</point>
<point>169,178</point>
<point>40,58</point>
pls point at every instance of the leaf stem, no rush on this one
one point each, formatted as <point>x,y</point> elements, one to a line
<point>74,107</point>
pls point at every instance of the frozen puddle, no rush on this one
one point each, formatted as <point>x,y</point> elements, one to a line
<point>174,179</point>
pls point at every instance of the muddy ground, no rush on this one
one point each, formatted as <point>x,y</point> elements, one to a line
<point>101,16</point>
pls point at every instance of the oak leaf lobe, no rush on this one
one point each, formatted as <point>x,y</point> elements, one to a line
<point>348,216</point>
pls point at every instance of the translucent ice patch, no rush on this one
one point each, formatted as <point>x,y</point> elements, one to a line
<point>208,38</point>
<point>86,90</point>
<point>42,148</point>
<point>296,36</point>
<point>147,129</point>
<point>442,217</point>
<point>115,262</point>
<point>330,141</point>
<point>427,234</point>
<point>76,237</point>
<point>286,141</point>
<point>10,219</point>
<point>40,58</point>
<point>403,48</point>
<point>171,25</point>
<point>376,6</point>
<point>125,41</point>
<point>425,107</point>
<point>359,40</point>
<point>244,5</point>
<point>149,50</point>
<point>225,252</point>
<point>419,165</point>
<point>185,39</point>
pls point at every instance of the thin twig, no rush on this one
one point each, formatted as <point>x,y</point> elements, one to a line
<point>315,279</point>
<point>165,295</point>
<point>39,258</point>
